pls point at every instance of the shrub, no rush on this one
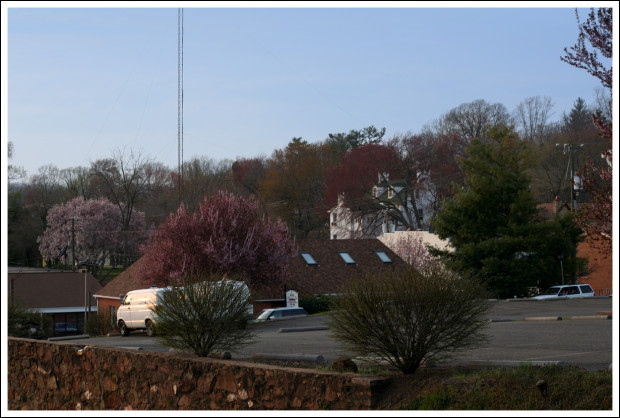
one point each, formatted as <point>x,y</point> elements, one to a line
<point>405,317</point>
<point>27,323</point>
<point>317,303</point>
<point>98,324</point>
<point>205,314</point>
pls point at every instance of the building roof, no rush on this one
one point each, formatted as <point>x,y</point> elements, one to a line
<point>326,277</point>
<point>331,271</point>
<point>125,282</point>
<point>51,291</point>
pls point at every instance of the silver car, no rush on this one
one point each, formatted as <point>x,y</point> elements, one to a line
<point>567,291</point>
<point>275,314</point>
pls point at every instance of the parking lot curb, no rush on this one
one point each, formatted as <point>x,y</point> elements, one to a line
<point>69,337</point>
<point>513,363</point>
<point>590,317</point>
<point>302,329</point>
<point>543,318</point>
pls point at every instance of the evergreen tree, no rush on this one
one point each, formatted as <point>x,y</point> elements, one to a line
<point>579,117</point>
<point>494,226</point>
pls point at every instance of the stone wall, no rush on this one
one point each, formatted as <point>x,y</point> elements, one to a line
<point>55,375</point>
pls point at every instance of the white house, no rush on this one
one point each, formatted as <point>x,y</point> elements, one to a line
<point>372,216</point>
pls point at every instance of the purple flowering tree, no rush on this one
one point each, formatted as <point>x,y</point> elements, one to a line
<point>226,234</point>
<point>93,228</point>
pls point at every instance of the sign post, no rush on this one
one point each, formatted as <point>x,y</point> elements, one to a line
<point>292,299</point>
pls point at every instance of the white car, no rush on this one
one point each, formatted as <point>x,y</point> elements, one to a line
<point>567,291</point>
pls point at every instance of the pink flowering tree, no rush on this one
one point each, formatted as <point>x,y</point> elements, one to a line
<point>93,228</point>
<point>225,235</point>
<point>412,249</point>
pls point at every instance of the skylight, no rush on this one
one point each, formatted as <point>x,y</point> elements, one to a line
<point>347,258</point>
<point>309,259</point>
<point>383,256</point>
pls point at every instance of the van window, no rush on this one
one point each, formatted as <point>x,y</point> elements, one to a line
<point>276,314</point>
<point>127,300</point>
<point>585,288</point>
<point>573,290</point>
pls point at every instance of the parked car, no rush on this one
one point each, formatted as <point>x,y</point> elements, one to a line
<point>275,314</point>
<point>567,291</point>
<point>136,310</point>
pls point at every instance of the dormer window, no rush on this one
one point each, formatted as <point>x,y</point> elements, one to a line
<point>390,193</point>
<point>309,259</point>
<point>347,258</point>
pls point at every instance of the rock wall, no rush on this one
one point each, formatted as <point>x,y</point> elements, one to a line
<point>62,376</point>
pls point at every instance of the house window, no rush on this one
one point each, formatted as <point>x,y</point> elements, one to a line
<point>347,258</point>
<point>374,191</point>
<point>383,256</point>
<point>334,217</point>
<point>390,193</point>
<point>309,259</point>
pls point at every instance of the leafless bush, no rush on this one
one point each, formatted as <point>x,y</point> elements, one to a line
<point>405,317</point>
<point>203,315</point>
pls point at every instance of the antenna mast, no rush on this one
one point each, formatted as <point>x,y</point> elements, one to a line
<point>180,106</point>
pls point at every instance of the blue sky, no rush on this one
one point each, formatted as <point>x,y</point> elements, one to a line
<point>85,82</point>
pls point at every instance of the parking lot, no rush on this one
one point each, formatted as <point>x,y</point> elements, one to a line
<point>575,332</point>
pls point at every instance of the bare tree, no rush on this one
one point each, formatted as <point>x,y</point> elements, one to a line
<point>77,180</point>
<point>531,117</point>
<point>14,172</point>
<point>471,120</point>
<point>44,191</point>
<point>125,180</point>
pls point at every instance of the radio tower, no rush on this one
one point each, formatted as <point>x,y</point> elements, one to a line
<point>180,106</point>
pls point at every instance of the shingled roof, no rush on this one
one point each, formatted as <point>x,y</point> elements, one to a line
<point>331,271</point>
<point>125,282</point>
<point>52,291</point>
<point>326,277</point>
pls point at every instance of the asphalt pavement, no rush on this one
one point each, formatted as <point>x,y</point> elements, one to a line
<point>576,332</point>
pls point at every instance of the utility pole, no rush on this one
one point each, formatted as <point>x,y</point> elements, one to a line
<point>73,244</point>
<point>570,150</point>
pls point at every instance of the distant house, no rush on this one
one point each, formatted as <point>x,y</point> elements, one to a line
<point>321,267</point>
<point>373,215</point>
<point>65,296</point>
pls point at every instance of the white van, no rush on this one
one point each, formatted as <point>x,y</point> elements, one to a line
<point>136,312</point>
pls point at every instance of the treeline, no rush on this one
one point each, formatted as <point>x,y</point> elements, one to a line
<point>302,181</point>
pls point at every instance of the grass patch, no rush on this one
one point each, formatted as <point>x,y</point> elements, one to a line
<point>509,388</point>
